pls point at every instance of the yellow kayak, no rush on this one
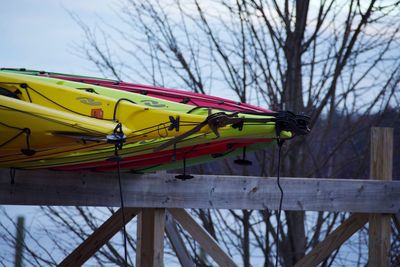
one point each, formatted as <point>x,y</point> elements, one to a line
<point>27,128</point>
<point>143,122</point>
<point>47,120</point>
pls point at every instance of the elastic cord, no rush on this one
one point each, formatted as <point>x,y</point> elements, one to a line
<point>280,144</point>
<point>123,212</point>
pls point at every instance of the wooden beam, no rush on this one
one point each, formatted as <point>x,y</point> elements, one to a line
<point>379,224</point>
<point>177,243</point>
<point>98,238</point>
<point>150,238</point>
<point>204,191</point>
<point>334,240</point>
<point>199,234</point>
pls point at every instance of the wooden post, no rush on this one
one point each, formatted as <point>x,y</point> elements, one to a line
<point>19,241</point>
<point>150,238</point>
<point>381,169</point>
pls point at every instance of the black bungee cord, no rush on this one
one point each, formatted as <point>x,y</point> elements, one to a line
<point>116,106</point>
<point>123,212</point>
<point>298,125</point>
<point>118,138</point>
<point>280,144</point>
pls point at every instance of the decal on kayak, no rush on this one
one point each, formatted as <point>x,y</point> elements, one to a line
<point>97,113</point>
<point>152,103</point>
<point>88,101</point>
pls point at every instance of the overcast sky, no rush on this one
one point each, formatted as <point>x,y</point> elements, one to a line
<point>41,34</point>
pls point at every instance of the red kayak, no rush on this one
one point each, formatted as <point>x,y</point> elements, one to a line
<point>179,96</point>
<point>213,149</point>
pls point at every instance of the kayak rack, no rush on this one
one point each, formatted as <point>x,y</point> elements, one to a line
<point>159,201</point>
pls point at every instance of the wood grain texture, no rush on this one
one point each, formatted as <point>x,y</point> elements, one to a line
<point>177,243</point>
<point>150,238</point>
<point>379,240</point>
<point>159,230</point>
<point>334,240</point>
<point>381,166</point>
<point>98,238</point>
<point>212,191</point>
<point>379,224</point>
<point>199,234</point>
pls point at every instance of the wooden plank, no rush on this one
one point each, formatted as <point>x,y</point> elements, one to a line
<point>98,238</point>
<point>379,224</point>
<point>334,240</point>
<point>177,243</point>
<point>204,191</point>
<point>199,234</point>
<point>150,238</point>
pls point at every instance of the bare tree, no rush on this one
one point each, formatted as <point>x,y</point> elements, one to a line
<point>336,61</point>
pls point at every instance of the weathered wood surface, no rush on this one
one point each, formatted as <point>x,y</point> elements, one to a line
<point>334,240</point>
<point>98,238</point>
<point>381,167</point>
<point>379,240</point>
<point>379,224</point>
<point>220,192</point>
<point>199,234</point>
<point>177,243</point>
<point>150,238</point>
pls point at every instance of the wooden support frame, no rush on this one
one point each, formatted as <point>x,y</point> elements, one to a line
<point>177,243</point>
<point>199,234</point>
<point>334,240</point>
<point>375,200</point>
<point>379,223</point>
<point>98,238</point>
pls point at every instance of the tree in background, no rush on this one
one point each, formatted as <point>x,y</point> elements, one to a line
<point>336,61</point>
